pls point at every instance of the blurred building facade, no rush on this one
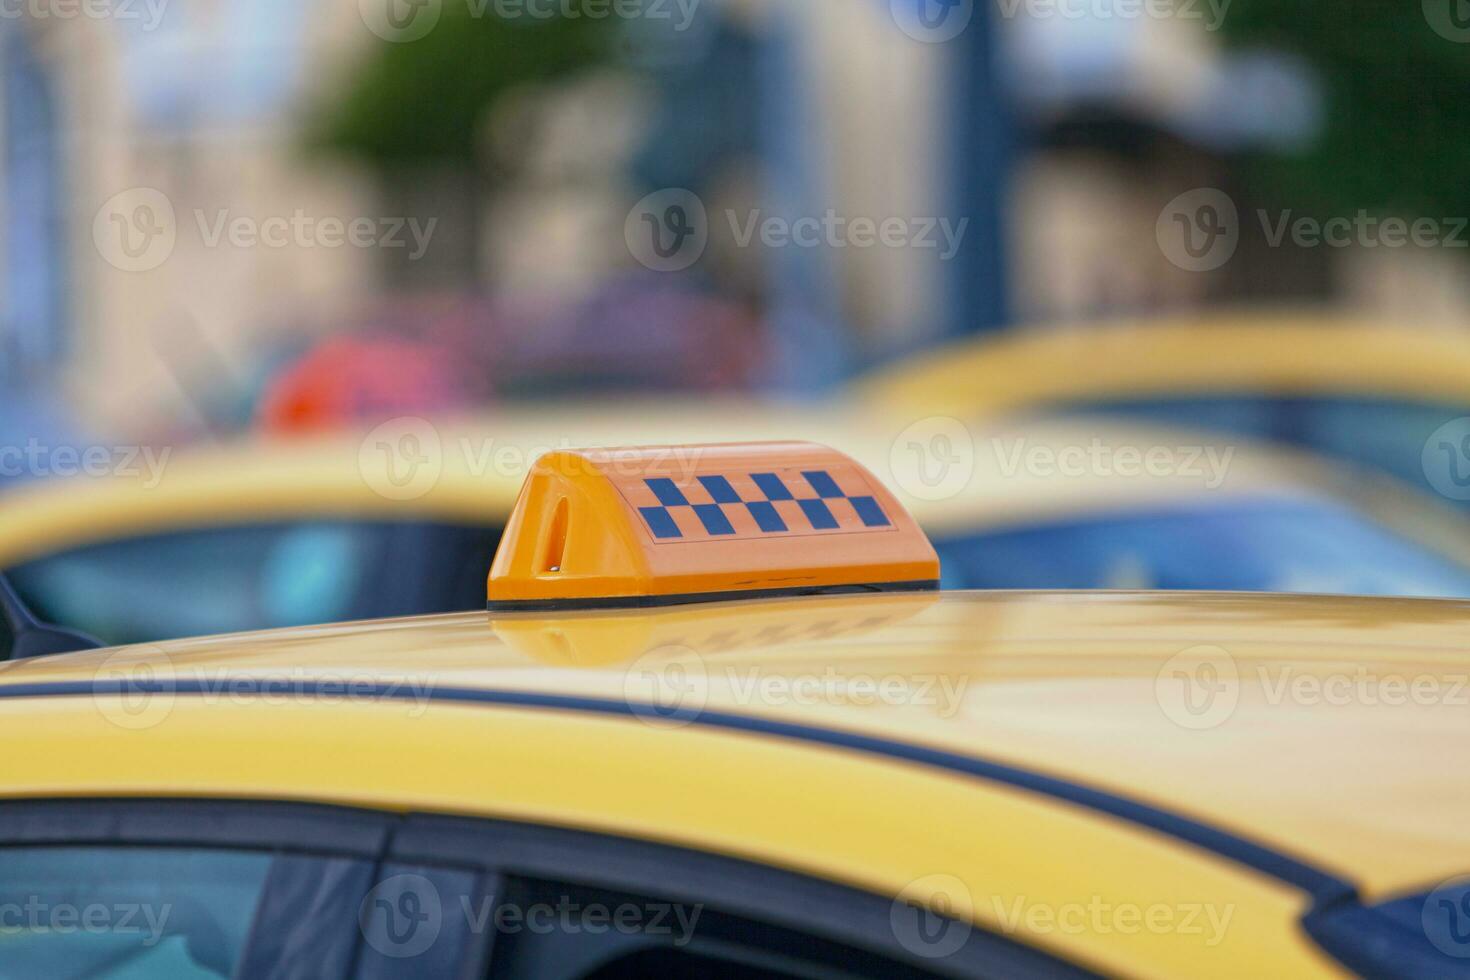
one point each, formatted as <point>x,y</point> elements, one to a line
<point>198,105</point>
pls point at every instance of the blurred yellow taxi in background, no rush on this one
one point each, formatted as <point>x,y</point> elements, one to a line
<point>399,521</point>
<point>1391,396</point>
<point>1244,355</point>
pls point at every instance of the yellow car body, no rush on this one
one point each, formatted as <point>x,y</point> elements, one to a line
<point>1034,766</point>
<point>1258,354</point>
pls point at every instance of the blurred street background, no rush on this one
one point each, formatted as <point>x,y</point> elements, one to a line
<point>220,217</point>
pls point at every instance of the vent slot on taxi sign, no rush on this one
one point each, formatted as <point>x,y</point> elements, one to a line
<point>678,524</point>
<point>556,539</point>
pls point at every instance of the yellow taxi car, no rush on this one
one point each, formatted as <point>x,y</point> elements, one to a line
<point>1392,396</point>
<point>397,521</point>
<point>716,724</point>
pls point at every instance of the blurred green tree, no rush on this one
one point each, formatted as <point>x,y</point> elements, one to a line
<point>415,114</point>
<point>425,101</point>
<point>1394,75</point>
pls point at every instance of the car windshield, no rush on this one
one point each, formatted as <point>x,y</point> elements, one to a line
<point>1267,545</point>
<point>248,577</point>
<point>1387,434</point>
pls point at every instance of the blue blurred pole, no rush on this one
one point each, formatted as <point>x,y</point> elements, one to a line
<point>811,339</point>
<point>982,155</point>
<point>814,348</point>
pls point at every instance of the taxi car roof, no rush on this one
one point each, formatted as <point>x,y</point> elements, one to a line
<point>1065,689</point>
<point>1280,353</point>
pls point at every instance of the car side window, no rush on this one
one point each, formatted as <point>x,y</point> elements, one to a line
<point>235,578</point>
<point>126,911</point>
<point>125,889</point>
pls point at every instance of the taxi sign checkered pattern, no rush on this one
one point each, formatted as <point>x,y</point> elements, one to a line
<point>737,505</point>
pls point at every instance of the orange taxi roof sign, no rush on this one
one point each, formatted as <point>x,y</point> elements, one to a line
<point>662,525</point>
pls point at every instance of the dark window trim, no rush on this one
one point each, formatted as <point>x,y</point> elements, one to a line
<point>164,822</point>
<point>500,850</point>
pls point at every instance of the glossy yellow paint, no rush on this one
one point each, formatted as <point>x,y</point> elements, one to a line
<point>986,852</point>
<point>1075,686</point>
<point>1272,354</point>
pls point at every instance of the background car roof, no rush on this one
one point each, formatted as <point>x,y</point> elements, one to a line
<point>476,467</point>
<point>1250,353</point>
